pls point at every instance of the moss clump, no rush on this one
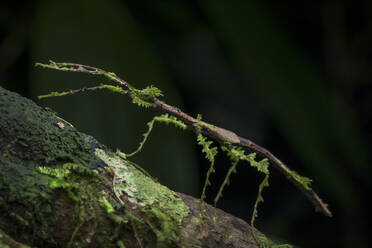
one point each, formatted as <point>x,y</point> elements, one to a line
<point>69,177</point>
<point>81,186</point>
<point>105,204</point>
<point>163,209</point>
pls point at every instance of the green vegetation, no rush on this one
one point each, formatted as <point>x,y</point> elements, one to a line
<point>210,154</point>
<point>165,118</point>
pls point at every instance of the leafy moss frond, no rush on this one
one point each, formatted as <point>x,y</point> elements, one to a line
<point>148,92</point>
<point>145,136</point>
<point>263,184</point>
<point>226,181</point>
<point>106,205</point>
<point>138,101</point>
<point>64,177</point>
<point>237,154</point>
<point>210,154</point>
<point>54,172</point>
<point>140,97</point>
<point>305,181</point>
<point>112,88</point>
<point>54,94</point>
<point>65,170</point>
<point>165,118</point>
<point>198,125</point>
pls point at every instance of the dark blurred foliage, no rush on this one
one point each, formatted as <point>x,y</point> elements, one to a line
<point>293,76</point>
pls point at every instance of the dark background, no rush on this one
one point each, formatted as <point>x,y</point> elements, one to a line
<point>293,76</point>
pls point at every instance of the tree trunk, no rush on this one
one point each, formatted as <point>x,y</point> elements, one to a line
<point>62,188</point>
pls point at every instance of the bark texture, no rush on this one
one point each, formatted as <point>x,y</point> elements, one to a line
<point>62,188</point>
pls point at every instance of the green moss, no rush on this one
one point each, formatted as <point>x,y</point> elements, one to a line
<point>80,184</point>
<point>120,244</point>
<point>305,181</point>
<point>164,209</point>
<point>106,205</point>
<point>116,89</point>
<point>53,94</point>
<point>64,177</point>
<point>214,220</point>
<point>55,172</point>
<point>141,97</point>
<point>210,154</point>
<point>165,118</point>
<point>195,221</point>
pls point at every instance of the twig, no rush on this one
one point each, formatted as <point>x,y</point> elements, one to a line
<point>221,135</point>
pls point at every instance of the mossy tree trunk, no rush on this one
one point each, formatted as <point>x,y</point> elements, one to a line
<point>62,188</point>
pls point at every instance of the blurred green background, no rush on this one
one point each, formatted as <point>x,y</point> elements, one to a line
<point>293,76</point>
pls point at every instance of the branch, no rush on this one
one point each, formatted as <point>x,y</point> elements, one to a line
<point>221,135</point>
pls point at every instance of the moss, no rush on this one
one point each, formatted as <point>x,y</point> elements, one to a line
<point>120,244</point>
<point>195,221</point>
<point>106,205</point>
<point>26,206</point>
<point>80,185</point>
<point>116,89</point>
<point>53,94</point>
<point>64,177</point>
<point>305,181</point>
<point>165,118</point>
<point>140,97</point>
<point>163,208</point>
<point>210,154</point>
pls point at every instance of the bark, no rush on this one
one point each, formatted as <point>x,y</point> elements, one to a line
<point>62,188</point>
